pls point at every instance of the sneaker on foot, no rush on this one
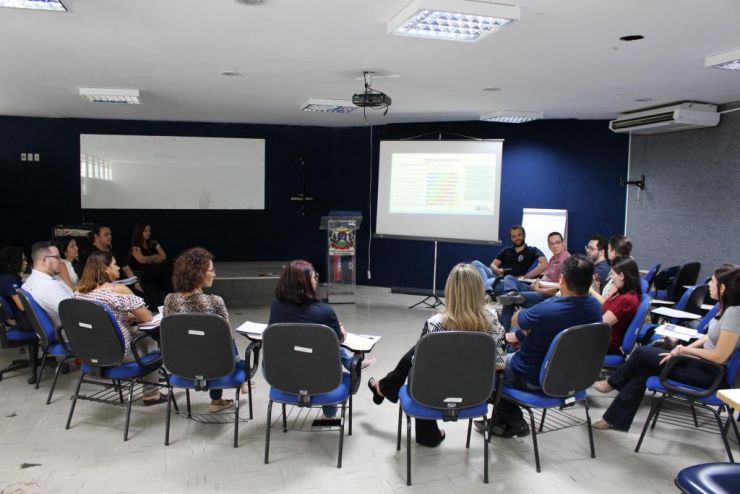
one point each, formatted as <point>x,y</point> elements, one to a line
<point>511,298</point>
<point>520,429</point>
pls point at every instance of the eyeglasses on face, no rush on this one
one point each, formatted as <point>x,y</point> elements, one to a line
<point>55,257</point>
<point>588,247</point>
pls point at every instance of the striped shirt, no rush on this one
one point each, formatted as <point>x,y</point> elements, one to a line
<point>495,329</point>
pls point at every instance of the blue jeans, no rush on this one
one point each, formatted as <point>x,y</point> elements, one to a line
<point>346,357</point>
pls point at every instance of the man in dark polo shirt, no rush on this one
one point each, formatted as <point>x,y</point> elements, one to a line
<point>511,263</point>
<point>538,326</point>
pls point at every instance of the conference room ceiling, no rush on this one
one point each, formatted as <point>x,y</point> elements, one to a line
<point>563,58</point>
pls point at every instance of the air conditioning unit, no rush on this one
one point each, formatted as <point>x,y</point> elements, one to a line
<point>682,116</point>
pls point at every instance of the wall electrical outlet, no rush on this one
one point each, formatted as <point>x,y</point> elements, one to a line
<point>23,156</point>
<point>36,157</point>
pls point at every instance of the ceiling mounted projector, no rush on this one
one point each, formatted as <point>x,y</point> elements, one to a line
<point>371,98</point>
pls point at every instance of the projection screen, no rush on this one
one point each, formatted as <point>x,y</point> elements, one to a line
<point>171,172</point>
<point>440,190</point>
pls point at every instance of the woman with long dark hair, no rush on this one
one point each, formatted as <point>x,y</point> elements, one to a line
<point>720,342</point>
<point>148,261</point>
<point>621,303</point>
<point>69,251</point>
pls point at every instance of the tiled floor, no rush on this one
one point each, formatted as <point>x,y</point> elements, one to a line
<point>92,457</point>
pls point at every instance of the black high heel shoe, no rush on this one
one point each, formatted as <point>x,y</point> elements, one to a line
<point>377,397</point>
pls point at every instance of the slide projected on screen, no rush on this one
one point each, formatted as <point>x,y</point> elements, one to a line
<point>171,172</point>
<point>446,190</point>
<point>451,183</point>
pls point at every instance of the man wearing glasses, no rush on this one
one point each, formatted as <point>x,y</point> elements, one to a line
<point>42,284</point>
<point>596,251</point>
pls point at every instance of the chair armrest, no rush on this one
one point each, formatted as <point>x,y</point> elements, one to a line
<point>134,351</point>
<point>61,335</point>
<point>355,372</point>
<point>499,388</point>
<point>253,348</point>
<point>678,359</point>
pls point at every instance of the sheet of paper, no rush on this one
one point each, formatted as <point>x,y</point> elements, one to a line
<point>127,281</point>
<point>669,312</point>
<point>360,342</point>
<point>252,328</point>
<point>154,323</point>
<point>679,332</point>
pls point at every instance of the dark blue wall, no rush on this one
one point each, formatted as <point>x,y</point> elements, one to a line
<point>560,164</point>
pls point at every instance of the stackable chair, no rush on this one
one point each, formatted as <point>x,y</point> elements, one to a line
<point>693,396</point>
<point>452,379</point>
<point>686,276</point>
<point>663,282</point>
<point>649,277</point>
<point>97,340</point>
<point>572,364</point>
<point>11,337</point>
<point>198,352</point>
<point>302,366</point>
<point>709,478</point>
<point>52,343</point>
<point>630,335</point>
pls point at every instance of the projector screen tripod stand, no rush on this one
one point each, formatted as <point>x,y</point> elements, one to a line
<point>435,300</point>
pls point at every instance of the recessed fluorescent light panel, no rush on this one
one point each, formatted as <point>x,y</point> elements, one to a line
<point>729,60</point>
<point>54,5</point>
<point>511,116</point>
<point>453,20</point>
<point>119,96</point>
<point>327,105</point>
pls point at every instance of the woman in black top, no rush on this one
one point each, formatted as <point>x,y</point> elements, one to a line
<point>148,261</point>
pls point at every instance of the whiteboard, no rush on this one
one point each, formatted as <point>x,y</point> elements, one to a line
<point>440,190</point>
<point>171,172</point>
<point>539,223</point>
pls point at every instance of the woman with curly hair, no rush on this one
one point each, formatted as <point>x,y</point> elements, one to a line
<point>193,271</point>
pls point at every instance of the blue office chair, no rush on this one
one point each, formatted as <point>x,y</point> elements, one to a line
<point>709,478</point>
<point>650,275</point>
<point>572,364</point>
<point>693,396</point>
<point>452,379</point>
<point>12,337</point>
<point>198,351</point>
<point>98,342</point>
<point>703,324</point>
<point>302,366</point>
<point>52,344</point>
<point>630,335</point>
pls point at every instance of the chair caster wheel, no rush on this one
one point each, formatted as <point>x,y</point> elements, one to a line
<point>65,369</point>
<point>31,380</point>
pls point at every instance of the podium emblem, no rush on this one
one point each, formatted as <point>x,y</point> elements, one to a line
<point>342,241</point>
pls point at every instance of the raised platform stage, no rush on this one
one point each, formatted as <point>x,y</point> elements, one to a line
<point>246,284</point>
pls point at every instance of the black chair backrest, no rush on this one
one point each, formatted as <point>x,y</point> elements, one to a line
<point>687,275</point>
<point>301,358</point>
<point>453,369</point>
<point>197,346</point>
<point>664,279</point>
<point>92,331</point>
<point>575,359</point>
<point>696,299</point>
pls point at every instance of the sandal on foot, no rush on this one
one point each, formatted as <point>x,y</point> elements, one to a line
<point>603,387</point>
<point>219,405</point>
<point>377,397</point>
<point>601,425</point>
